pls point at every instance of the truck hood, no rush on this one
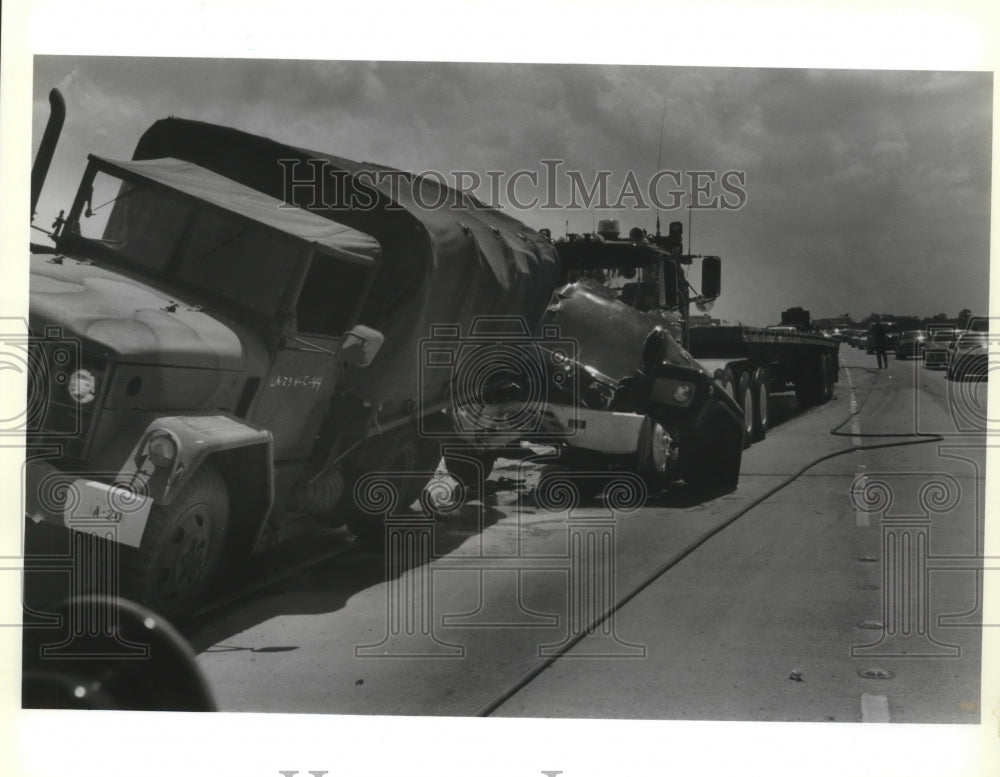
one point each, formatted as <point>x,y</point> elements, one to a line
<point>123,319</point>
<point>609,335</point>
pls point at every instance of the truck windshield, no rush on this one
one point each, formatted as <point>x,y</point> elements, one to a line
<point>165,235</point>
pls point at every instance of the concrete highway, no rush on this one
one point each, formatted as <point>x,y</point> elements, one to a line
<point>839,582</point>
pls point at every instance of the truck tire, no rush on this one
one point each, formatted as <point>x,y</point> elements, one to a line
<point>711,461</point>
<point>399,451</point>
<point>761,398</point>
<point>652,460</point>
<point>825,379</point>
<point>744,398</point>
<point>725,377</point>
<point>181,548</point>
<point>470,468</point>
<point>814,383</point>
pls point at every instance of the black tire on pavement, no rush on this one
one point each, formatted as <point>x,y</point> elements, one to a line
<point>652,456</point>
<point>470,468</point>
<point>713,456</point>
<point>761,398</point>
<point>400,451</point>
<point>181,548</point>
<point>728,381</point>
<point>826,378</point>
<point>744,397</point>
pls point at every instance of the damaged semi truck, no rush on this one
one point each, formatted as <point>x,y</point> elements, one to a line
<point>647,391</point>
<point>211,360</point>
<point>254,327</point>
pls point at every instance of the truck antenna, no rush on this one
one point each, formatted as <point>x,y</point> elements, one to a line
<point>659,159</point>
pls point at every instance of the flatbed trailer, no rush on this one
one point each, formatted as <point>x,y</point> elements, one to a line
<point>753,362</point>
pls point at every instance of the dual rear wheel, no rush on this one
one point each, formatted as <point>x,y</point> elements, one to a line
<point>751,393</point>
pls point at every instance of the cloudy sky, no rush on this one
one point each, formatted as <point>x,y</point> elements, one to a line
<point>865,191</point>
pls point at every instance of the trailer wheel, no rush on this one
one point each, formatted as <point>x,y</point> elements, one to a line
<point>825,379</point>
<point>761,398</point>
<point>814,383</point>
<point>725,377</point>
<point>744,397</point>
<point>181,548</point>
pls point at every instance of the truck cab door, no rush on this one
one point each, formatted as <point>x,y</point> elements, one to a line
<point>295,393</point>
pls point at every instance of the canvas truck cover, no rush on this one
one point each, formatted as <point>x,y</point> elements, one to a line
<point>446,258</point>
<point>184,177</point>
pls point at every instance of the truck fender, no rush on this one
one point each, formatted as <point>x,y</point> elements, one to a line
<point>242,453</point>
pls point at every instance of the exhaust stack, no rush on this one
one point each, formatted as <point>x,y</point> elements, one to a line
<point>40,169</point>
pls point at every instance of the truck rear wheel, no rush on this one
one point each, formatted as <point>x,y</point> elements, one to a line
<point>181,547</point>
<point>400,452</point>
<point>745,399</point>
<point>814,384</point>
<point>761,397</point>
<point>725,377</point>
<point>470,468</point>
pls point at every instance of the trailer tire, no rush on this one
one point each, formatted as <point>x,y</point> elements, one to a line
<point>181,548</point>
<point>825,379</point>
<point>744,398</point>
<point>761,398</point>
<point>725,377</point>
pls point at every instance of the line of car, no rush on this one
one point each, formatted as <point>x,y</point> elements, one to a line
<point>961,353</point>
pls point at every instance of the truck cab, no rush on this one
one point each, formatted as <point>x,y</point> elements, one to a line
<point>187,352</point>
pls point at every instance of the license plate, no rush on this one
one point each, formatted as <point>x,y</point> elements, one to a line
<point>106,511</point>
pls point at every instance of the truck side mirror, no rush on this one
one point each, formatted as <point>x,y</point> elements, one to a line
<point>711,277</point>
<point>360,345</point>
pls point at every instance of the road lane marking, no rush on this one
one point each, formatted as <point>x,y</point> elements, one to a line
<point>861,517</point>
<point>874,709</point>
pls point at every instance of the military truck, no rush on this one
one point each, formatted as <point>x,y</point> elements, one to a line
<point>212,360</point>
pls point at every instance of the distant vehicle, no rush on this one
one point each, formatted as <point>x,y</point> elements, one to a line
<point>968,355</point>
<point>892,334</point>
<point>937,344</point>
<point>911,344</point>
<point>858,338</point>
<point>782,328</point>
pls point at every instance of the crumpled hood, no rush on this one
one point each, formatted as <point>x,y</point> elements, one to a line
<point>126,320</point>
<point>609,335</point>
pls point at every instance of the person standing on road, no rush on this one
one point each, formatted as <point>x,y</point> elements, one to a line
<point>879,344</point>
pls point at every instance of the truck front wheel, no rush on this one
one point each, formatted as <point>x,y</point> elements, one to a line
<point>655,455</point>
<point>181,547</point>
<point>711,458</point>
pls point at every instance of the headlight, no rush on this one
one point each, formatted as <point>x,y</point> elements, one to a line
<point>670,391</point>
<point>162,450</point>
<point>82,387</point>
<point>683,392</point>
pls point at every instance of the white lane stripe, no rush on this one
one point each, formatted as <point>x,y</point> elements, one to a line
<point>855,421</point>
<point>861,518</point>
<point>874,709</point>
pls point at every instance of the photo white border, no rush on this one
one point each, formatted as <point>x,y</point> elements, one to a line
<point>955,35</point>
